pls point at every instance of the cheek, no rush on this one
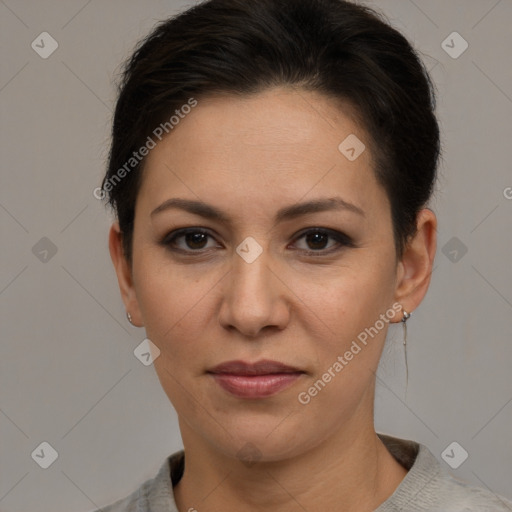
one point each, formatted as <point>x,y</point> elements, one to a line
<point>174,304</point>
<point>347,300</point>
<point>348,340</point>
<point>174,301</point>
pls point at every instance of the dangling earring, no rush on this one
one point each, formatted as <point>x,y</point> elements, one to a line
<point>129,317</point>
<point>405,317</point>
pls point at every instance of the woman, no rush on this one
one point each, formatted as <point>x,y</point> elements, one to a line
<point>270,168</point>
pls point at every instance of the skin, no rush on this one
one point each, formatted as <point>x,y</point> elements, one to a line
<point>250,156</point>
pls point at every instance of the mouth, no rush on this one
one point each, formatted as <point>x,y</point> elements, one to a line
<point>254,380</point>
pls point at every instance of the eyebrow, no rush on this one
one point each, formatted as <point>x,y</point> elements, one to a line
<point>288,212</point>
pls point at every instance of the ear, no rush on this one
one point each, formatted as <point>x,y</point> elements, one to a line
<point>124,274</point>
<point>415,268</point>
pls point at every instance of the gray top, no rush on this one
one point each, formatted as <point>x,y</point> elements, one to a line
<point>427,486</point>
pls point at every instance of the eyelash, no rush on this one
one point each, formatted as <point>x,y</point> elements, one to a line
<point>342,240</point>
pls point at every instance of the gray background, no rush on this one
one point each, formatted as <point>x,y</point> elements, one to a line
<point>68,374</point>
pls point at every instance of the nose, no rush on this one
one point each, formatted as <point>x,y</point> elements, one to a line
<point>255,300</point>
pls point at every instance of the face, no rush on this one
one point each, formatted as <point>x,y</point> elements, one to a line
<point>264,280</point>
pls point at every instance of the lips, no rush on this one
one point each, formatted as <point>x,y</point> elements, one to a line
<point>254,380</point>
<point>264,367</point>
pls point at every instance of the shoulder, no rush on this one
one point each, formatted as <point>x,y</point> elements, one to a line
<point>429,487</point>
<point>155,494</point>
<point>455,495</point>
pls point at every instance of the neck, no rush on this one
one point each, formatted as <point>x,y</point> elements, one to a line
<point>351,471</point>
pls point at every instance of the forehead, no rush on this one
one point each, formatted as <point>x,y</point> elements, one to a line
<point>281,121</point>
<point>280,144</point>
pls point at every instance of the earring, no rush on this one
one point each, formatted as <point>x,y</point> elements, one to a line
<point>405,317</point>
<point>129,317</point>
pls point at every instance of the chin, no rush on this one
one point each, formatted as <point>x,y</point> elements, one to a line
<point>262,439</point>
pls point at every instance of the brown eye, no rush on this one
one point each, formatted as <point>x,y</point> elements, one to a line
<point>194,240</point>
<point>317,241</point>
